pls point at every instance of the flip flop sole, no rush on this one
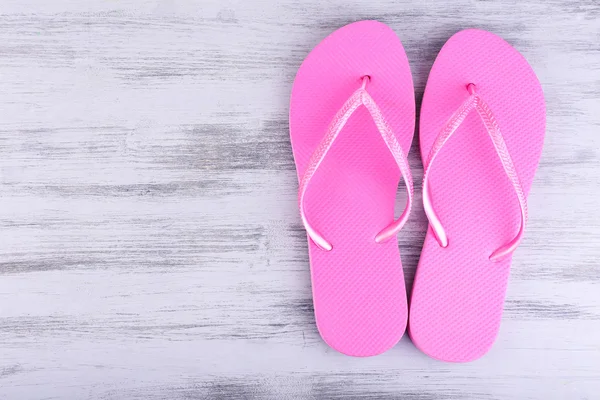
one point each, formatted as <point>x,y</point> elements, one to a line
<point>358,287</point>
<point>458,294</point>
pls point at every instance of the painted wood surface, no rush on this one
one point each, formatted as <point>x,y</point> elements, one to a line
<point>150,244</point>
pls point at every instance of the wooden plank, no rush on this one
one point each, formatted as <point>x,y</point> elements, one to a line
<point>150,245</point>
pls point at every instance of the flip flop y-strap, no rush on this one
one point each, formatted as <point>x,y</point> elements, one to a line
<point>358,98</point>
<point>475,102</point>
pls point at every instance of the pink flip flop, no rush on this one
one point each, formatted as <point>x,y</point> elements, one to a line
<point>354,88</point>
<point>482,130</point>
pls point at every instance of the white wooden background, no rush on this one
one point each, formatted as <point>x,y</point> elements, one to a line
<point>150,244</point>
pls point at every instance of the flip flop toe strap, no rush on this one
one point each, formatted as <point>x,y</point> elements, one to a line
<point>475,102</point>
<point>359,98</point>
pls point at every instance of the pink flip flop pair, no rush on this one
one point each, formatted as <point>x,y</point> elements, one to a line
<point>352,120</point>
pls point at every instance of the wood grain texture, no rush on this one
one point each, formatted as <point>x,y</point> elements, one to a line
<point>150,244</point>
